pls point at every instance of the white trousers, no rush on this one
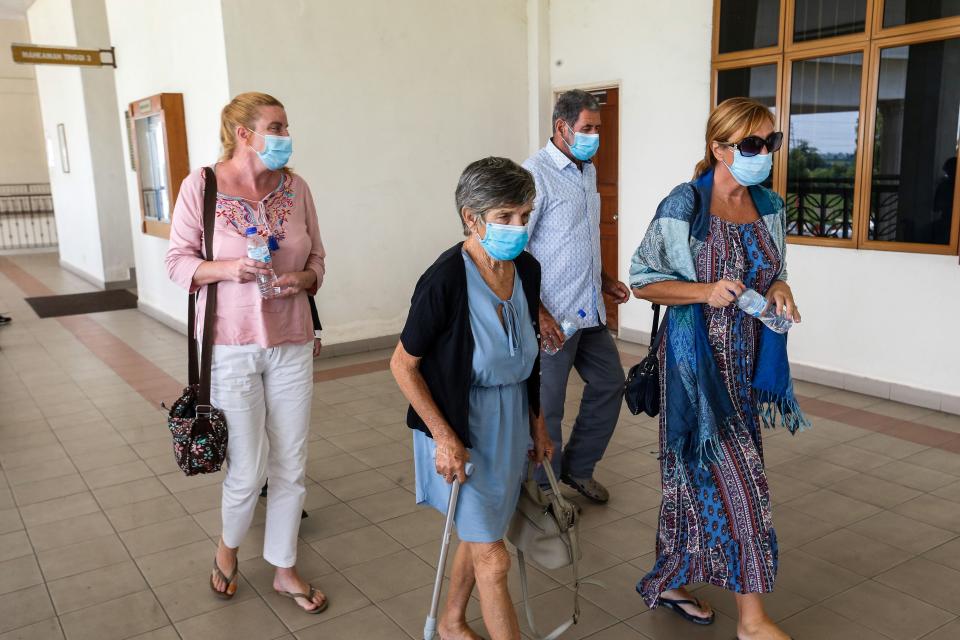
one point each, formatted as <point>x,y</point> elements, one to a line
<point>265,395</point>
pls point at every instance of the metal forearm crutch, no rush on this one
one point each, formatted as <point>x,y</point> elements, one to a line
<point>430,626</point>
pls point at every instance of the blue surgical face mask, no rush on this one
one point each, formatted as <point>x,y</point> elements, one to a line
<point>584,145</point>
<point>504,241</point>
<point>750,171</point>
<point>276,151</point>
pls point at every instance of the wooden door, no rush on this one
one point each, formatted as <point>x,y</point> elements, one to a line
<point>608,168</point>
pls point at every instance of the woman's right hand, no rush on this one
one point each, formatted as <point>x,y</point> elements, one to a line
<point>243,269</point>
<point>452,458</point>
<point>723,293</point>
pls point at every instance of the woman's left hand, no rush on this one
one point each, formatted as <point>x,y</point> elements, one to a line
<point>292,284</point>
<point>781,295</point>
<point>317,346</point>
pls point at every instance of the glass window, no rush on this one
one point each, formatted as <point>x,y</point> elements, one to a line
<point>748,24</point>
<point>898,12</point>
<point>814,19</point>
<point>822,145</point>
<point>153,168</point>
<point>759,83</point>
<point>915,144</point>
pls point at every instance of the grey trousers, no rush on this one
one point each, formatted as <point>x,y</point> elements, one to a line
<point>594,354</point>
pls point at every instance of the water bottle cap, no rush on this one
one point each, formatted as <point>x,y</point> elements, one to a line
<point>251,231</point>
<point>582,313</point>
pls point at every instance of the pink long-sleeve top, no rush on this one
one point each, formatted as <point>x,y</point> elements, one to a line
<point>242,316</point>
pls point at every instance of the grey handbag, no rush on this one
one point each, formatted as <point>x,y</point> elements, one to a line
<point>545,529</point>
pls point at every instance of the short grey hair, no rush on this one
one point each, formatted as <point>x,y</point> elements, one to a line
<point>571,103</point>
<point>491,183</point>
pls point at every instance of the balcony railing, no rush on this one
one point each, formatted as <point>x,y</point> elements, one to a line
<point>823,207</point>
<point>26,217</point>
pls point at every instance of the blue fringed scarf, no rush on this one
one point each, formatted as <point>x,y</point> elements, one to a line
<point>697,406</point>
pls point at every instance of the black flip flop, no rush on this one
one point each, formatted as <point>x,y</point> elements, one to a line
<point>674,605</point>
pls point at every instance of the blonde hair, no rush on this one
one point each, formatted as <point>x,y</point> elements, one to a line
<point>243,110</point>
<point>731,121</point>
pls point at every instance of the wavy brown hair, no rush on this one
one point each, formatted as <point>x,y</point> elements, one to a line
<point>731,121</point>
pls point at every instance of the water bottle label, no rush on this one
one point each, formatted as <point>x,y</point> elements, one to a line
<point>260,254</point>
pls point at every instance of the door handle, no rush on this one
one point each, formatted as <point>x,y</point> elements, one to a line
<point>616,217</point>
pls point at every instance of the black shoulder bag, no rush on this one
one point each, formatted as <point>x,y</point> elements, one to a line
<point>642,389</point>
<point>199,429</point>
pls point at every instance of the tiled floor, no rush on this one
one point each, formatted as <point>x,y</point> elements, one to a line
<point>102,537</point>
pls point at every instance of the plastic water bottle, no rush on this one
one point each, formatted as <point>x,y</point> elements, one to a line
<point>258,250</point>
<point>568,328</point>
<point>754,304</point>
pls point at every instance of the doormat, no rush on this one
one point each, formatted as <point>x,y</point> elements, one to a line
<point>78,303</point>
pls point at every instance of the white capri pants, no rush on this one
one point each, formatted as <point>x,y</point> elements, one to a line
<point>265,395</point>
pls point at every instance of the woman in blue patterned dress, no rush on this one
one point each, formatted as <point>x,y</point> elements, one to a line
<point>722,372</point>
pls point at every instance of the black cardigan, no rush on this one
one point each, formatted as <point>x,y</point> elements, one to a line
<point>438,331</point>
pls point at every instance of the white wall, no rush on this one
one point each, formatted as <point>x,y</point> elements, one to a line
<point>388,101</point>
<point>181,52</point>
<point>22,158</point>
<point>873,321</point>
<point>89,207</point>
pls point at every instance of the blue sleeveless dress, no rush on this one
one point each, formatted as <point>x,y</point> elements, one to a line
<point>503,357</point>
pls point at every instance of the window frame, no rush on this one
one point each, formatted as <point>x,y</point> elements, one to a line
<point>869,43</point>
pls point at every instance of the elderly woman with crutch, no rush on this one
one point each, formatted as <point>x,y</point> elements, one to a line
<point>468,362</point>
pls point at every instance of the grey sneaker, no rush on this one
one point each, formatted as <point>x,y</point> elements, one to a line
<point>588,488</point>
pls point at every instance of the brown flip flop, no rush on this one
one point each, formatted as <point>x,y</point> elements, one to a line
<point>320,608</point>
<point>224,595</point>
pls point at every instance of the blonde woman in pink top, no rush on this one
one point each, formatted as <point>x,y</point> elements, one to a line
<point>262,375</point>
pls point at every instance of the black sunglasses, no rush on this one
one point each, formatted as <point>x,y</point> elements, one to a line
<point>753,145</point>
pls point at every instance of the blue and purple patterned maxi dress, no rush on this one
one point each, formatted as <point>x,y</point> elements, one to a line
<point>715,523</point>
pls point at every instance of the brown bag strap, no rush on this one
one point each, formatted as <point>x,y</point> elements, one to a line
<point>194,374</point>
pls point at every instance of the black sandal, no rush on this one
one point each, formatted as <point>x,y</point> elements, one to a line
<point>225,594</point>
<point>674,605</point>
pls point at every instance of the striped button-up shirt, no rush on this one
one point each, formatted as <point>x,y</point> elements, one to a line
<point>564,233</point>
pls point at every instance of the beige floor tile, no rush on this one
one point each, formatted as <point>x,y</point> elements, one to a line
<point>385,505</point>
<point>200,499</point>
<point>887,445</point>
<point>554,607</point>
<point>618,632</point>
<point>409,610</point>
<point>950,492</point>
<point>632,497</point>
<point>310,565</point>
<point>248,619</point>
<point>14,545</point>
<point>70,531</point>
<point>820,623</point>
<point>618,595</point>
<point>927,581</point>
<point>862,555</point>
<point>19,573</point>
<point>833,507</point>
<point>949,631</point>
<point>43,490</point>
<point>162,536</point>
<point>317,497</point>
<point>902,532</point>
<point>334,467</point>
<point>912,475</point>
<point>97,586</point>
<point>121,618</point>
<point>358,485</point>
<point>85,556</point>
<point>356,547</point>
<point>875,491</point>
<point>329,521</point>
<point>932,510</point>
<point>163,633</point>
<point>117,474</point>
<point>946,554</point>
<point>661,624</point>
<point>48,629</point>
<point>39,471</point>
<point>631,464</point>
<point>29,457</point>
<point>626,539</point>
<point>178,482</point>
<point>192,596</point>
<point>104,458</point>
<point>795,528</point>
<point>401,473</point>
<point>784,488</point>
<point>814,470</point>
<point>385,454</point>
<point>593,560</point>
<point>368,623</point>
<point>145,512</point>
<point>24,607</point>
<point>58,509</point>
<point>413,529</point>
<point>10,520</point>
<point>888,611</point>
<point>189,560</point>
<point>938,459</point>
<point>391,575</point>
<point>130,492</point>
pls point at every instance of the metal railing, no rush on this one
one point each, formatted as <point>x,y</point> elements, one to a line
<point>823,207</point>
<point>26,217</point>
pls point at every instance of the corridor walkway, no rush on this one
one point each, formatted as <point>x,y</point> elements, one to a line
<point>102,537</point>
